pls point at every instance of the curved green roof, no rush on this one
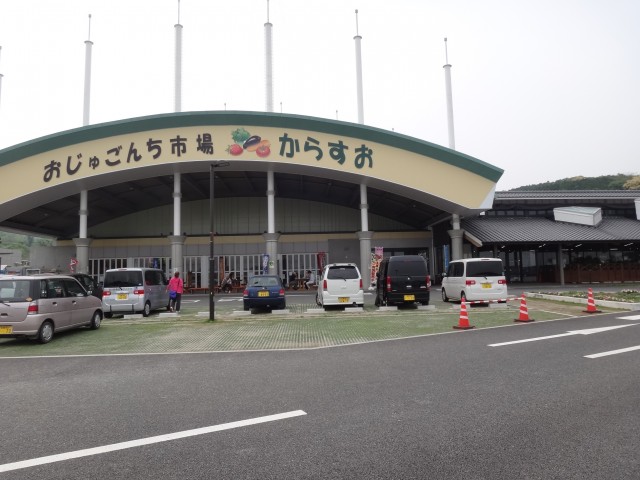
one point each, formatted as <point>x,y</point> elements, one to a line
<point>190,119</point>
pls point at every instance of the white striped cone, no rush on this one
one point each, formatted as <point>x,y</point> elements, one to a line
<point>524,312</point>
<point>591,303</point>
<point>463,322</point>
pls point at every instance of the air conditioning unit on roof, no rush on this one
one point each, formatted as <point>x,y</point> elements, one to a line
<point>591,216</point>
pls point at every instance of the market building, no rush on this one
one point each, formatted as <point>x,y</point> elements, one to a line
<point>279,192</point>
<point>138,192</point>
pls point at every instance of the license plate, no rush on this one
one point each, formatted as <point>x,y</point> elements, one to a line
<point>409,298</point>
<point>123,296</point>
<point>263,294</point>
<point>486,285</point>
<point>343,299</point>
<point>6,329</point>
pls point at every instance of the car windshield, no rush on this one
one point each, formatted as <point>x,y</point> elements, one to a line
<point>342,273</point>
<point>484,269</point>
<point>123,279</point>
<point>263,282</point>
<point>407,267</point>
<point>14,290</point>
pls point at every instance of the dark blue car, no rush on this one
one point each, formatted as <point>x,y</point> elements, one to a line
<point>265,292</point>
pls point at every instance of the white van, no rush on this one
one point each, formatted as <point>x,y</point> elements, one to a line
<point>134,290</point>
<point>474,279</point>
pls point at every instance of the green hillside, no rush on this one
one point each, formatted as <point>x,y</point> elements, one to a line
<point>605,182</point>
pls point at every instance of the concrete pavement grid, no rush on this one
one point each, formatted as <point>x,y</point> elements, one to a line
<point>190,332</point>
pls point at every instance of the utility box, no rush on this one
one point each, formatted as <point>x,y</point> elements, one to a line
<point>591,216</point>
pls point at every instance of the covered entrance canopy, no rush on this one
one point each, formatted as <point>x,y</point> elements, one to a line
<point>128,166</point>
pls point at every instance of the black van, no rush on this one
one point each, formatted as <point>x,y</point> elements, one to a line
<point>403,279</point>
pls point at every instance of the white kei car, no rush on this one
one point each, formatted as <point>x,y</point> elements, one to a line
<point>340,285</point>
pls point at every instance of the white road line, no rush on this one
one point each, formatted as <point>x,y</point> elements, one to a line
<point>631,317</point>
<point>529,340</point>
<point>613,352</point>
<point>586,331</point>
<point>7,467</point>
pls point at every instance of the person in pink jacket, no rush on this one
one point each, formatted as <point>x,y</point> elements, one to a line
<point>175,289</point>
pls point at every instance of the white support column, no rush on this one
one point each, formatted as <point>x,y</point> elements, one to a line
<point>271,209</point>
<point>177,240</point>
<point>177,197</point>
<point>82,242</point>
<point>365,237</point>
<point>456,234</point>
<point>84,213</point>
<point>271,237</point>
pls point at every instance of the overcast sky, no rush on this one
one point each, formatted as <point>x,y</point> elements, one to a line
<point>544,89</point>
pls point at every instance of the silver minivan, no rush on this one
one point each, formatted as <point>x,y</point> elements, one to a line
<point>37,306</point>
<point>134,290</point>
<point>475,279</point>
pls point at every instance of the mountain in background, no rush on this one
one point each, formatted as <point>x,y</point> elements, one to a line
<point>605,182</point>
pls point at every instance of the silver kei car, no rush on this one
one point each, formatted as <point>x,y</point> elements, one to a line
<point>38,306</point>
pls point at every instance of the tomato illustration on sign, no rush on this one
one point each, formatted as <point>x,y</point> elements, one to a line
<point>263,151</point>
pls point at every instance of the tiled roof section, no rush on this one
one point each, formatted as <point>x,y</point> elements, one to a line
<point>540,229</point>
<point>568,194</point>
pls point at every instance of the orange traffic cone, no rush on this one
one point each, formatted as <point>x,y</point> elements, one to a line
<point>463,323</point>
<point>524,312</point>
<point>591,304</point>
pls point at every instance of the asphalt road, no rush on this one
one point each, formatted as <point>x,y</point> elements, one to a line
<point>445,406</point>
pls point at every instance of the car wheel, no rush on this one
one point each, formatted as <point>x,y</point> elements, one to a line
<point>147,310</point>
<point>377,301</point>
<point>45,334</point>
<point>95,321</point>
<point>108,315</point>
<point>444,295</point>
<point>246,308</point>
<point>318,299</point>
<point>425,303</point>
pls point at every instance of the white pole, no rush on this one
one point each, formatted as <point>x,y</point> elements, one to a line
<point>87,77</point>
<point>358,40</point>
<point>447,77</point>
<point>268,53</point>
<point>178,65</point>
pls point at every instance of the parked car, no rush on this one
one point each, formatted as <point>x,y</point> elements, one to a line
<point>89,283</point>
<point>474,279</point>
<point>134,290</point>
<point>264,292</point>
<point>402,280</point>
<point>340,284</point>
<point>38,306</point>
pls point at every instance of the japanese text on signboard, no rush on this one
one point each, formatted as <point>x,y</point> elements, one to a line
<point>119,156</point>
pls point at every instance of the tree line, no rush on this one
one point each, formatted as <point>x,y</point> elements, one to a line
<point>604,182</point>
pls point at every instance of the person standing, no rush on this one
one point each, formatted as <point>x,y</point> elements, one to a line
<point>175,289</point>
